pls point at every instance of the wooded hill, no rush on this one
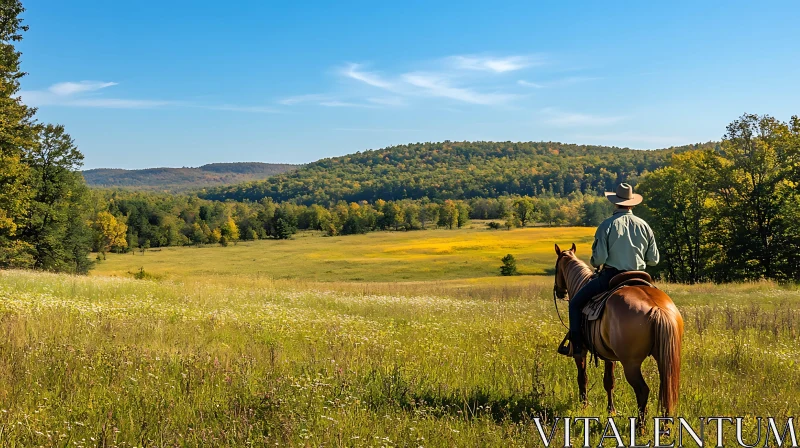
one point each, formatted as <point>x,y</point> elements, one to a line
<point>455,170</point>
<point>184,179</point>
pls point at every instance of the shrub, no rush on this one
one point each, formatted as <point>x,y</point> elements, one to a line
<point>509,266</point>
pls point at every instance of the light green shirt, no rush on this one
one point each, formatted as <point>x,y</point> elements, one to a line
<point>626,242</point>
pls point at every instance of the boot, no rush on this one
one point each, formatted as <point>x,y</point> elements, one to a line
<point>568,348</point>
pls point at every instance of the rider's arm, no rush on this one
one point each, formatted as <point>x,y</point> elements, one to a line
<point>599,247</point>
<point>651,257</point>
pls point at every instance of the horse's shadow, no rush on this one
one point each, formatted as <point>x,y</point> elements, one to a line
<point>478,403</point>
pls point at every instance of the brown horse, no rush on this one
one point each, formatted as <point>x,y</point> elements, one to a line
<point>638,321</point>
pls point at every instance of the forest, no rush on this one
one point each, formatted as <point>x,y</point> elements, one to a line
<point>723,211</point>
<point>456,170</point>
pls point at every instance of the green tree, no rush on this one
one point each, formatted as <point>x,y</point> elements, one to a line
<point>429,214</point>
<point>509,266</point>
<point>283,231</point>
<point>393,215</point>
<point>524,210</point>
<point>462,217</point>
<point>198,236</point>
<point>411,212</point>
<point>17,138</point>
<point>594,210</point>
<point>757,185</point>
<point>58,190</point>
<point>511,221</point>
<point>680,207</point>
<point>448,215</point>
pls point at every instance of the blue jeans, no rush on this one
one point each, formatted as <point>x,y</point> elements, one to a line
<point>594,287</point>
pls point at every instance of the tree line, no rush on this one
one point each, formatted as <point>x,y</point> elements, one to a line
<point>733,213</point>
<point>126,221</point>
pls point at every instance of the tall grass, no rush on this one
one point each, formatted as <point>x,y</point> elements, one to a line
<point>124,362</point>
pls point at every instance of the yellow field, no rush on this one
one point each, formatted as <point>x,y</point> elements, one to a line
<point>432,255</point>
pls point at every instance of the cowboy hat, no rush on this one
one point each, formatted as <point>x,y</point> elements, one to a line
<point>624,196</point>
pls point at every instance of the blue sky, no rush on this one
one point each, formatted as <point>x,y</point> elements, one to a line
<point>183,83</point>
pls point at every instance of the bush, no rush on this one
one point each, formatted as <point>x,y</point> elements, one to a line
<point>509,266</point>
<point>141,274</point>
<point>494,225</point>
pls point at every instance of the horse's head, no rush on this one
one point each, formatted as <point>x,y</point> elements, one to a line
<point>560,286</point>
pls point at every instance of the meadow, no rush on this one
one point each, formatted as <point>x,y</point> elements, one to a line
<point>429,255</point>
<point>417,342</point>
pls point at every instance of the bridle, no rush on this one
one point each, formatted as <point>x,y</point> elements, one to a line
<point>555,293</point>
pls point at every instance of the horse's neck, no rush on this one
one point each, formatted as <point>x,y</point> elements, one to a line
<point>577,274</point>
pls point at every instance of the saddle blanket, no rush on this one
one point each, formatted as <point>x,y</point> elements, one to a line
<point>594,309</point>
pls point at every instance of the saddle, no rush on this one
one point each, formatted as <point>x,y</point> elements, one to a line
<point>594,309</point>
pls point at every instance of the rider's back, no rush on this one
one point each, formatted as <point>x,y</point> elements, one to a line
<point>626,242</point>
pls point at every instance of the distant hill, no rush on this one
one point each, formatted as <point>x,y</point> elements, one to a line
<point>455,170</point>
<point>184,179</point>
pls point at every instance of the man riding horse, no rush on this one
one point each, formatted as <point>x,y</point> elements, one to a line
<point>623,242</point>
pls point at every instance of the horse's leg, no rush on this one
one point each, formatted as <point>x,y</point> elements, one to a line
<point>633,373</point>
<point>608,383</point>
<point>583,381</point>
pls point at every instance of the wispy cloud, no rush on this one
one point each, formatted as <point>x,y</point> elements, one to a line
<point>71,88</point>
<point>535,85</point>
<point>434,85</point>
<point>90,94</point>
<point>471,79</point>
<point>74,94</point>
<point>437,84</point>
<point>354,71</point>
<point>494,64</point>
<point>327,100</point>
<point>571,119</point>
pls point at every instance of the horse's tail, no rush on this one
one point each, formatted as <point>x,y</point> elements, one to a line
<point>668,328</point>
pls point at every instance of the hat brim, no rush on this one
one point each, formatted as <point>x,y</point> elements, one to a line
<point>636,199</point>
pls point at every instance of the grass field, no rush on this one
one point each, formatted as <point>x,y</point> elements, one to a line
<point>227,351</point>
<point>382,256</point>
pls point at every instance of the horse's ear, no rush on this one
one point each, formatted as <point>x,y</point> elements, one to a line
<point>558,250</point>
<point>573,248</point>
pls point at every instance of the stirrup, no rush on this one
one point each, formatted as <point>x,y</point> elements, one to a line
<point>565,348</point>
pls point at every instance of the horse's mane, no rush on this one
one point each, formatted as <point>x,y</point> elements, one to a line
<point>576,272</point>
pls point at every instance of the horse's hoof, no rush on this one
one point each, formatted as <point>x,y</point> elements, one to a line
<point>612,412</point>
